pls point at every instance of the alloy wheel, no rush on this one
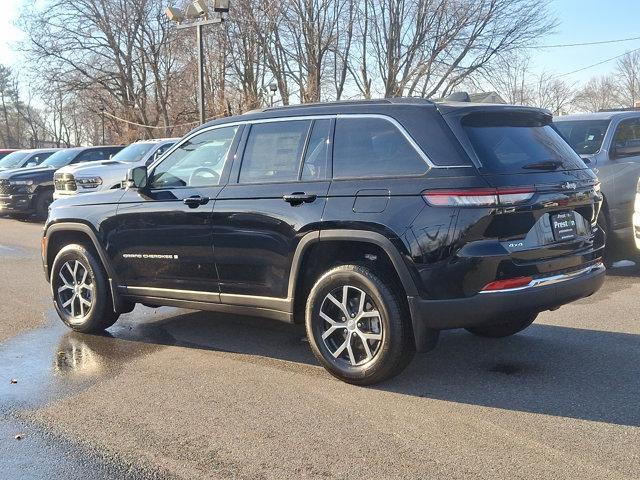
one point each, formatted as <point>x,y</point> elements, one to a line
<point>352,328</point>
<point>75,293</point>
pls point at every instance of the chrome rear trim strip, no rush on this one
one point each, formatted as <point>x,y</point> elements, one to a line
<point>545,281</point>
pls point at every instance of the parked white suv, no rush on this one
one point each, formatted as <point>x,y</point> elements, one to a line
<point>108,174</point>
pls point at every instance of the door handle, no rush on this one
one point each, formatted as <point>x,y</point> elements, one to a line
<point>298,198</point>
<point>195,201</point>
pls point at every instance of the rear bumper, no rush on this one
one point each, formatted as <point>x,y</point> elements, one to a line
<point>17,203</point>
<point>543,293</point>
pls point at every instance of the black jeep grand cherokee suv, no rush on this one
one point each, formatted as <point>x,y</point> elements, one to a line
<point>378,223</point>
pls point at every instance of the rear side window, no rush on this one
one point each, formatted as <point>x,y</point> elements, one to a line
<point>316,158</point>
<point>519,143</point>
<point>274,151</point>
<point>366,147</point>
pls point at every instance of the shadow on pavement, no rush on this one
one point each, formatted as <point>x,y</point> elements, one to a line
<point>585,374</point>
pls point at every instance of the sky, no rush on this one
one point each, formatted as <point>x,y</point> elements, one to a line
<point>579,21</point>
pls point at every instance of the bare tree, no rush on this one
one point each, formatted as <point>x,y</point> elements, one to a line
<point>429,47</point>
<point>599,93</point>
<point>628,79</point>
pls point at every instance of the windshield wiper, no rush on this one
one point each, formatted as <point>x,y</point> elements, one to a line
<point>544,165</point>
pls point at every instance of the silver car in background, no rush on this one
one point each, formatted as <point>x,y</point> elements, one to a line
<point>609,142</point>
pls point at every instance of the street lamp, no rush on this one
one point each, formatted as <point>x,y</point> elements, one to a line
<point>273,88</point>
<point>198,15</point>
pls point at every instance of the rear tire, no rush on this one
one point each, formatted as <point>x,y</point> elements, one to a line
<point>357,326</point>
<point>505,327</point>
<point>80,290</point>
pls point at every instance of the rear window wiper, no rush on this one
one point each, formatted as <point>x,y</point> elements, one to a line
<point>544,165</point>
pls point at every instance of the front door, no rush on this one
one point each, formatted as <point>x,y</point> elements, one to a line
<point>276,194</point>
<point>621,171</point>
<point>163,237</point>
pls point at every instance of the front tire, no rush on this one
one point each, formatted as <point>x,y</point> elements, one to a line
<point>80,290</point>
<point>357,327</point>
<point>505,327</point>
<point>42,203</point>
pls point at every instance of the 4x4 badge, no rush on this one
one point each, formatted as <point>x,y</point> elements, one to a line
<point>569,186</point>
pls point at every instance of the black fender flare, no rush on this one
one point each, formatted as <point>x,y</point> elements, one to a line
<point>346,235</point>
<point>118,304</point>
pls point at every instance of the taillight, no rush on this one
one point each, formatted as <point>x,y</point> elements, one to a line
<point>507,284</point>
<point>478,197</point>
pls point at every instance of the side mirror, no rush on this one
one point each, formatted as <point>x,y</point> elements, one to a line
<point>137,178</point>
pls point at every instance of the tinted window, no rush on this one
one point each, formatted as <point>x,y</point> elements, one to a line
<point>198,161</point>
<point>273,152</point>
<point>366,147</point>
<point>584,136</point>
<point>627,134</point>
<point>518,144</point>
<point>94,155</point>
<point>39,158</point>
<point>316,157</point>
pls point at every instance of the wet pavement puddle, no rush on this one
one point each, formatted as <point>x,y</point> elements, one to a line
<point>48,364</point>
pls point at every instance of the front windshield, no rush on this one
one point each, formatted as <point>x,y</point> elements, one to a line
<point>584,136</point>
<point>133,153</point>
<point>60,159</point>
<point>13,159</point>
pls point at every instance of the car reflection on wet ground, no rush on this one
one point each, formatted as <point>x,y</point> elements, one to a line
<point>171,392</point>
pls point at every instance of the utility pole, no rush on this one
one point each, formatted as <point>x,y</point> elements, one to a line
<point>102,118</point>
<point>198,15</point>
<point>201,101</point>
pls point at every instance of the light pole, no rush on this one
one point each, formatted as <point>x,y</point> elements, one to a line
<point>102,118</point>
<point>273,88</point>
<point>198,15</point>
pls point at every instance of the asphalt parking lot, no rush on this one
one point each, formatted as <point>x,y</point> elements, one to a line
<point>171,393</point>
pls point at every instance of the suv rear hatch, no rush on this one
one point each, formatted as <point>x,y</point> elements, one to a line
<point>547,198</point>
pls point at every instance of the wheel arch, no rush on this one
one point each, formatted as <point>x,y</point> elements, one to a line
<point>316,240</point>
<point>56,235</point>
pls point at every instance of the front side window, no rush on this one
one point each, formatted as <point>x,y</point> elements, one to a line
<point>39,158</point>
<point>197,162</point>
<point>373,147</point>
<point>628,134</point>
<point>273,151</point>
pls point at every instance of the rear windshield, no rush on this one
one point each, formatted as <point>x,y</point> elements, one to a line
<point>519,143</point>
<point>585,136</point>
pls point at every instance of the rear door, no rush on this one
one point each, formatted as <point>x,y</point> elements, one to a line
<point>273,199</point>
<point>163,235</point>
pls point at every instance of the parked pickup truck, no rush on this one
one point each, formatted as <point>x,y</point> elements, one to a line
<point>95,177</point>
<point>609,142</point>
